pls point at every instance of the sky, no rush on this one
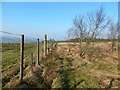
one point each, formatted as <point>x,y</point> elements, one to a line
<point>60,0</point>
<point>52,18</point>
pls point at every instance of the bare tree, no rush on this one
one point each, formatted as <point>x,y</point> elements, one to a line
<point>97,22</point>
<point>89,27</point>
<point>113,33</point>
<point>78,30</point>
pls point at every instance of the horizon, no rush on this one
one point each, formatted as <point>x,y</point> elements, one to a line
<point>52,18</point>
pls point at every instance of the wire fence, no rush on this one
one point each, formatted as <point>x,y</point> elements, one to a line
<point>17,52</point>
<point>10,49</point>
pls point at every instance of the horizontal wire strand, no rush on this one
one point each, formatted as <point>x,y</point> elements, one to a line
<point>10,33</point>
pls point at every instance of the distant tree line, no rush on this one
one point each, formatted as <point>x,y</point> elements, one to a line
<point>95,40</point>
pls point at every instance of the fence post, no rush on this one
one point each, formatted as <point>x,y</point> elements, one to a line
<point>38,51</point>
<point>42,55</point>
<point>21,57</point>
<point>50,46</point>
<point>31,61</point>
<point>45,45</point>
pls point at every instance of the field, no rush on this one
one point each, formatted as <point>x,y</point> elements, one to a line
<point>11,59</point>
<point>64,67</point>
<point>97,68</point>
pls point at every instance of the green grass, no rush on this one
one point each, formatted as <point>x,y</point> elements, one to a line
<point>11,58</point>
<point>79,77</point>
<point>112,68</point>
<point>11,53</point>
<point>83,74</point>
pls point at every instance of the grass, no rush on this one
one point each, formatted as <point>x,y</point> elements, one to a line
<point>67,78</point>
<point>72,77</point>
<point>61,70</point>
<point>11,53</point>
<point>96,61</point>
<point>11,58</point>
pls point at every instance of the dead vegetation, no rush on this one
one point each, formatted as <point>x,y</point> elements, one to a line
<point>99,59</point>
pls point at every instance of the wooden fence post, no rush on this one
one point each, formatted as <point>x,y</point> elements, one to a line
<point>38,51</point>
<point>21,57</point>
<point>50,48</point>
<point>45,45</point>
<point>31,61</point>
<point>42,55</point>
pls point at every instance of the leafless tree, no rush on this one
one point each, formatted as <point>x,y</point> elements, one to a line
<point>113,33</point>
<point>97,22</point>
<point>89,27</point>
<point>80,30</point>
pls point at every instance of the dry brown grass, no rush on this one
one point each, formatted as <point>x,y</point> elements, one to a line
<point>104,61</point>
